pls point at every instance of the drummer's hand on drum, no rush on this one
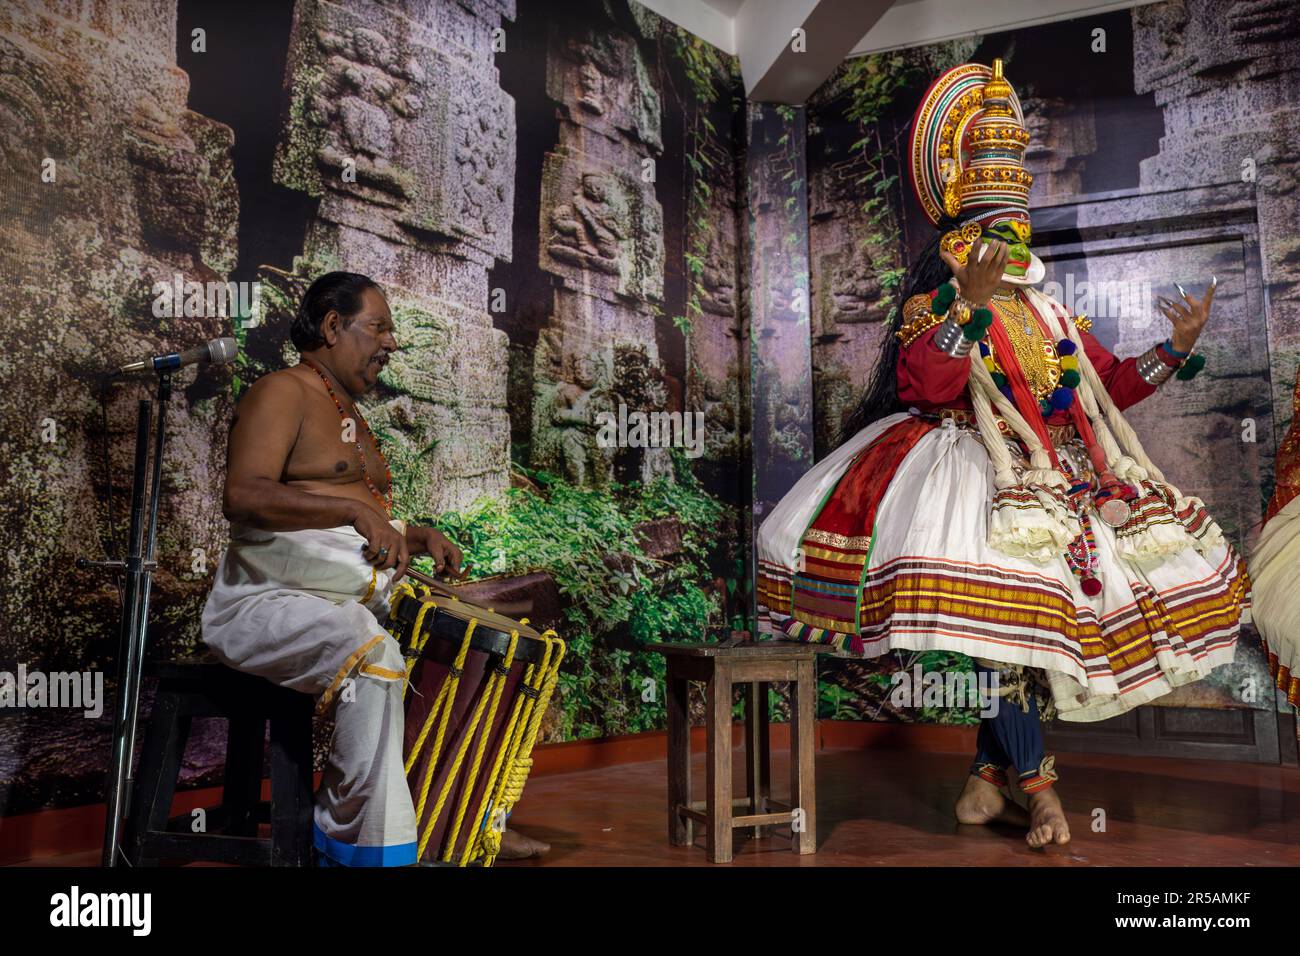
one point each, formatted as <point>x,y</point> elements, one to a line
<point>386,547</point>
<point>446,556</point>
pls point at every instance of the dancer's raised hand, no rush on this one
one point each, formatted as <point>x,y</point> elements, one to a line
<point>982,273</point>
<point>1188,317</point>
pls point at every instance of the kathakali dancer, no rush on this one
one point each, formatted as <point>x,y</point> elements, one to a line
<point>1275,566</point>
<point>1010,513</point>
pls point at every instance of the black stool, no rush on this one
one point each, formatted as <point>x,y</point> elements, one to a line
<point>187,690</point>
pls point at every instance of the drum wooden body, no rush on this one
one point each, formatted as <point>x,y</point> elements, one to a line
<point>478,685</point>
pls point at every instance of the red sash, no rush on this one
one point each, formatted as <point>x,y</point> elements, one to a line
<point>1023,398</point>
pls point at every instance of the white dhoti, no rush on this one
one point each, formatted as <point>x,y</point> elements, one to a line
<point>304,609</point>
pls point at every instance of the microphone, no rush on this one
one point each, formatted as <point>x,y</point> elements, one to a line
<point>216,352</point>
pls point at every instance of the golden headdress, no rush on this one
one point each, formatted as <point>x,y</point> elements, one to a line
<point>968,147</point>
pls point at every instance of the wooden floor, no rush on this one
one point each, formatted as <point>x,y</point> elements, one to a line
<point>894,808</point>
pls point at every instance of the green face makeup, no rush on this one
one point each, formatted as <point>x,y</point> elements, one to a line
<point>1016,235</point>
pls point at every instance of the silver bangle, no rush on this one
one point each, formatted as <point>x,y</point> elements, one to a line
<point>950,341</point>
<point>1152,369</point>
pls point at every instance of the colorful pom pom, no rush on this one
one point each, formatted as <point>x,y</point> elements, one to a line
<point>984,350</point>
<point>1006,390</point>
<point>1000,381</point>
<point>1070,362</point>
<point>1065,347</point>
<point>943,298</point>
<point>1191,367</point>
<point>1070,378</point>
<point>1045,407</point>
<point>1091,586</point>
<point>979,323</point>
<point>1061,398</point>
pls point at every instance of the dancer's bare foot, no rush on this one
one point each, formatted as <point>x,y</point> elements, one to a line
<point>982,802</point>
<point>517,846</point>
<point>1047,822</point>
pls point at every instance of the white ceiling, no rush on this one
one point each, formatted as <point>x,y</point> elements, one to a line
<point>728,8</point>
<point>759,31</point>
<point>919,22</point>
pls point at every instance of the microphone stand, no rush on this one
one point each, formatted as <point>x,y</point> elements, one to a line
<point>139,565</point>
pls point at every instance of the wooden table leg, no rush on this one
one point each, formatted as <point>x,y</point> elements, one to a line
<point>718,807</point>
<point>758,770</point>
<point>803,776</point>
<point>681,830</point>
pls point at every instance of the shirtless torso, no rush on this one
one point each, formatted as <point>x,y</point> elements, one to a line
<point>322,461</point>
<point>291,465</point>
<point>287,429</point>
<point>293,461</point>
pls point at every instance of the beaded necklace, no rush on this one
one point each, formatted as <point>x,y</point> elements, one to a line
<point>385,501</point>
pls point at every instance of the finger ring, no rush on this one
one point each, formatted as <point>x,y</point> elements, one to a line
<point>383,553</point>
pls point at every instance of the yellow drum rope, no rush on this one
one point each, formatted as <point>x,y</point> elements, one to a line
<point>446,693</point>
<point>496,684</point>
<point>511,740</point>
<point>419,637</point>
<point>493,689</point>
<point>445,702</point>
<point>505,789</point>
<point>513,759</point>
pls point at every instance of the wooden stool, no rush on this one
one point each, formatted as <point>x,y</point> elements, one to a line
<point>721,666</point>
<point>187,690</point>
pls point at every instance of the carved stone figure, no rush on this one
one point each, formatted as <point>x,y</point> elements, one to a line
<point>588,229</point>
<point>856,293</point>
<point>718,279</point>
<point>397,121</point>
<point>576,404</point>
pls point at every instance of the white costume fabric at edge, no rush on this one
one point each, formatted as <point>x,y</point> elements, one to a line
<point>304,610</point>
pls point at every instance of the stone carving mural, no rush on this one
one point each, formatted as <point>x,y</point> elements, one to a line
<point>600,236</point>
<point>393,127</point>
<point>109,185</point>
<point>1223,73</point>
<point>139,190</point>
<point>408,141</point>
<point>716,340</point>
<point>781,366</point>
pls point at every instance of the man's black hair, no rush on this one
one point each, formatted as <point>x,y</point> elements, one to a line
<point>334,291</point>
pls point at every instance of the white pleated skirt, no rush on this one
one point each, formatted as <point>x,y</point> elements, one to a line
<point>933,582</point>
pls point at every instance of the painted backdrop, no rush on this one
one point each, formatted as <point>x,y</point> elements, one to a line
<point>548,194</point>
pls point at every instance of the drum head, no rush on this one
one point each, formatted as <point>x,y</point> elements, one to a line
<point>492,632</point>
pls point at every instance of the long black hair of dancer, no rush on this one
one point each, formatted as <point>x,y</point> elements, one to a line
<point>927,273</point>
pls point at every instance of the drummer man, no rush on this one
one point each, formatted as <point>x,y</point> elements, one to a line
<point>290,600</point>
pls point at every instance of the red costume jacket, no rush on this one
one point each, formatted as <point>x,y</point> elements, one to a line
<point>930,380</point>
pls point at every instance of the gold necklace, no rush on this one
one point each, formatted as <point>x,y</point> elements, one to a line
<point>1035,355</point>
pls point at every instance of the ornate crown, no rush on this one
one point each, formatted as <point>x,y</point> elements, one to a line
<point>968,146</point>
